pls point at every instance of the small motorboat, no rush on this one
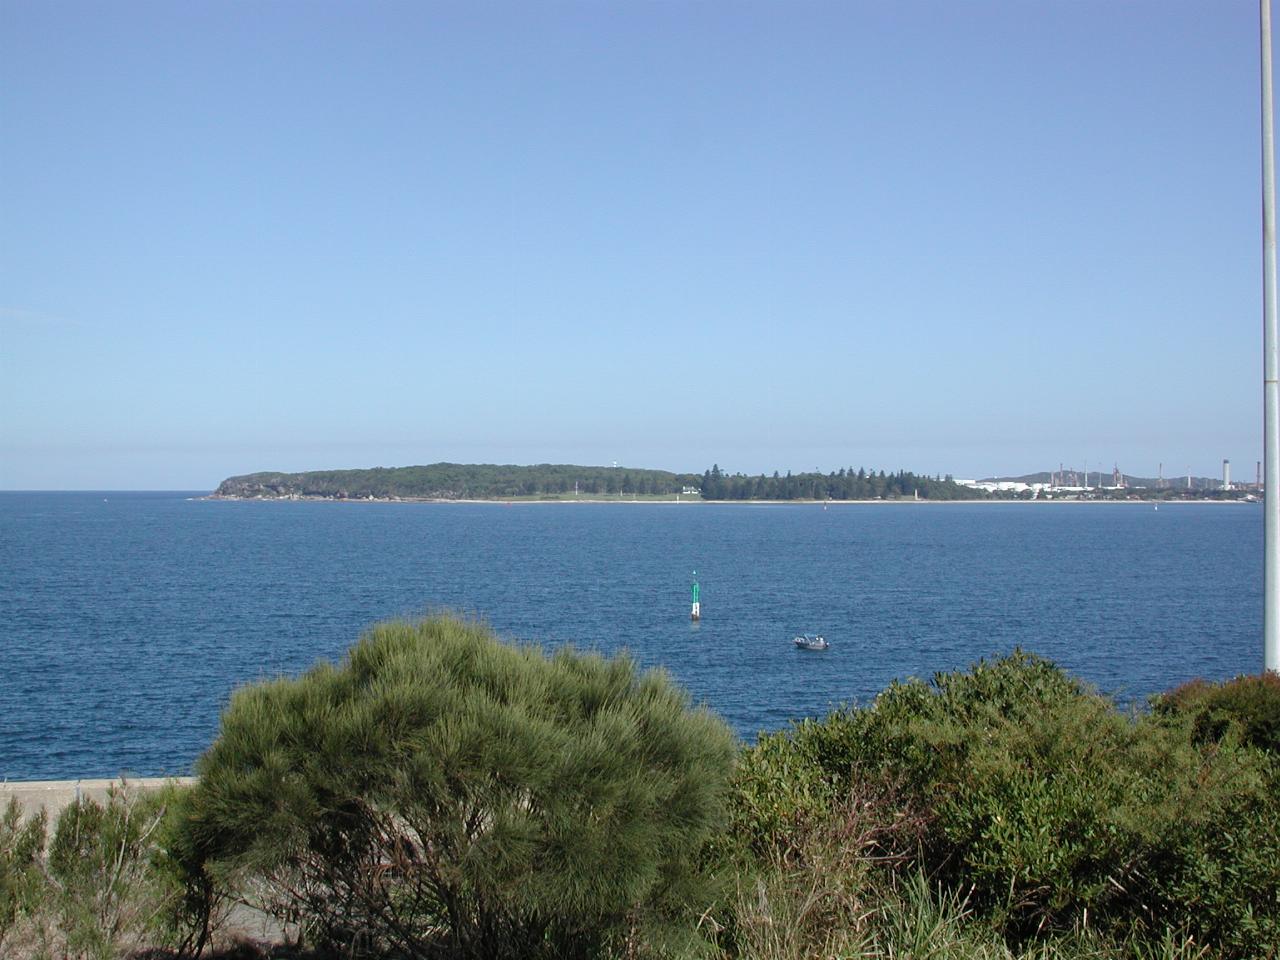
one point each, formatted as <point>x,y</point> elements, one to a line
<point>806,642</point>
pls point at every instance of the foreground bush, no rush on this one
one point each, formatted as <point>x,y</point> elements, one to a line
<point>441,792</point>
<point>1247,708</point>
<point>21,878</point>
<point>107,884</point>
<point>1046,808</point>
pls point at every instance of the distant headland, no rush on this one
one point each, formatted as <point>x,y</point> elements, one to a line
<point>571,482</point>
<point>546,481</point>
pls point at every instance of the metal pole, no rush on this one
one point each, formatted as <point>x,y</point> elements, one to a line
<point>1271,367</point>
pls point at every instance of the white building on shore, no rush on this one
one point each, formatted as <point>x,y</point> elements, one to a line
<point>1004,486</point>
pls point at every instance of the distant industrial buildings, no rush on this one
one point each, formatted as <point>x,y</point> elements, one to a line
<point>1071,484</point>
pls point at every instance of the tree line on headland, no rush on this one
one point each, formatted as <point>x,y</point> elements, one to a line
<point>454,481</point>
<point>844,484</point>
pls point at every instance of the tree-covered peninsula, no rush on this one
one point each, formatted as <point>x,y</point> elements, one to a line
<point>458,481</point>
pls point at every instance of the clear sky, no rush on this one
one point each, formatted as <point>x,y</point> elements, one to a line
<point>966,237</point>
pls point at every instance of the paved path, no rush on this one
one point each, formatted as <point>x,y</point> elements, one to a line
<point>53,795</point>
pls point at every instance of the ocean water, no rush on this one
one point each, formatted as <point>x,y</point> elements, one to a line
<point>126,619</point>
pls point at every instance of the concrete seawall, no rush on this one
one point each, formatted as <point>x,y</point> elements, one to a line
<point>53,795</point>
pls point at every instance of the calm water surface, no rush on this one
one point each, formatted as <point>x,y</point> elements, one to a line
<point>127,619</point>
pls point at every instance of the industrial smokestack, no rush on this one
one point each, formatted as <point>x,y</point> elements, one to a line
<point>1226,474</point>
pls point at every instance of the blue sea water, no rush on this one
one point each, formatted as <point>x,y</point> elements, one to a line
<point>126,619</point>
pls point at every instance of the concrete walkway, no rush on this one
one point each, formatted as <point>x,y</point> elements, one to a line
<point>52,795</point>
<point>244,922</point>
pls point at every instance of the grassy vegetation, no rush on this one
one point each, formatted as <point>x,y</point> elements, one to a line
<point>441,794</point>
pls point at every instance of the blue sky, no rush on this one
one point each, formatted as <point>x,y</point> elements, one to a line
<point>965,237</point>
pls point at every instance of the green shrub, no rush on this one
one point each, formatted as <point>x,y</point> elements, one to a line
<point>1046,806</point>
<point>1248,707</point>
<point>188,906</point>
<point>22,884</point>
<point>114,885</point>
<point>440,790</point>
<point>780,793</point>
<point>803,881</point>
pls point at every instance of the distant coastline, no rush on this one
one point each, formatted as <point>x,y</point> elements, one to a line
<point>897,501</point>
<point>571,483</point>
<point>453,482</point>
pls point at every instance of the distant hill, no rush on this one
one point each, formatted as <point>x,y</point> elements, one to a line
<point>455,481</point>
<point>485,481</point>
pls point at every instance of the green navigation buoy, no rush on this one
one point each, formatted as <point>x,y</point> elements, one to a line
<point>696,614</point>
